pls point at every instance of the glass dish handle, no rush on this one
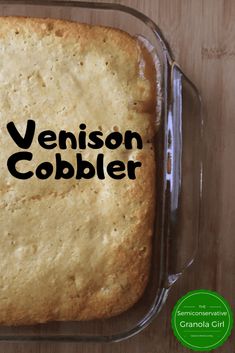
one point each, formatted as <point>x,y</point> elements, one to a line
<point>183,174</point>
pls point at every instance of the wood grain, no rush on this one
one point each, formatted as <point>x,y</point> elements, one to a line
<point>201,34</point>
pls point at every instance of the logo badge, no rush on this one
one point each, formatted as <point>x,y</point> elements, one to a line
<point>202,320</point>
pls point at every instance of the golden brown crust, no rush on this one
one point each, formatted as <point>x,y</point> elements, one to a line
<point>74,250</point>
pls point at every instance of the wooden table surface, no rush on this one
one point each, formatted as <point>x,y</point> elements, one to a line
<point>201,34</point>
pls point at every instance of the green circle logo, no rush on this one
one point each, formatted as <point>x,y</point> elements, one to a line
<point>202,320</point>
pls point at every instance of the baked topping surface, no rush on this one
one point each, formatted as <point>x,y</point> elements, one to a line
<point>74,249</point>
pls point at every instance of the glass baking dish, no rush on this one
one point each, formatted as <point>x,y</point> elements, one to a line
<point>179,173</point>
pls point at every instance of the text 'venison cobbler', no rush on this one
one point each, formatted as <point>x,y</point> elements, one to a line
<point>63,140</point>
